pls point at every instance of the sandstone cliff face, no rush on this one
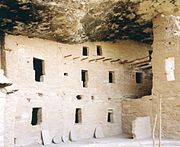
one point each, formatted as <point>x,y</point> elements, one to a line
<point>72,21</point>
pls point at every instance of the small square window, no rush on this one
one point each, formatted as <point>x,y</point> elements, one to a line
<point>85,51</point>
<point>65,74</point>
<point>139,77</point>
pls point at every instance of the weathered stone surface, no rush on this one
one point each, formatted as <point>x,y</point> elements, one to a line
<point>56,95</point>
<point>166,45</point>
<point>133,108</point>
<point>73,135</point>
<point>141,128</point>
<point>65,138</point>
<point>45,137</point>
<point>57,139</point>
<point>4,81</point>
<point>98,133</point>
<point>2,118</point>
<point>73,21</point>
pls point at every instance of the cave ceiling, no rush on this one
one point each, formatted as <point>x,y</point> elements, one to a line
<point>75,21</point>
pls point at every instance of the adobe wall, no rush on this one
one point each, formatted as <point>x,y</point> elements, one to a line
<point>165,83</point>
<point>57,93</point>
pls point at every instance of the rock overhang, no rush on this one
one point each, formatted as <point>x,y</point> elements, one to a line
<point>76,21</point>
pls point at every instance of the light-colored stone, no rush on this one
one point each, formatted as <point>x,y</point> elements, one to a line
<point>45,137</point>
<point>98,133</point>
<point>56,95</point>
<point>73,135</point>
<point>57,139</point>
<point>4,80</point>
<point>65,138</point>
<point>141,128</point>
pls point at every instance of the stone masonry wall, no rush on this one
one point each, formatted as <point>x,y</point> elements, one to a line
<point>167,46</point>
<point>132,108</point>
<point>165,83</point>
<point>57,93</point>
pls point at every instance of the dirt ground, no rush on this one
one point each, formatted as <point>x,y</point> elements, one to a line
<point>116,141</point>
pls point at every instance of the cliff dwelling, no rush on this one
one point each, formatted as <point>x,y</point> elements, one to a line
<point>77,73</point>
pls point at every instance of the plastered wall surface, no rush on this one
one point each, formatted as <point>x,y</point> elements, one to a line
<point>131,109</point>
<point>165,81</point>
<point>2,105</point>
<point>57,93</point>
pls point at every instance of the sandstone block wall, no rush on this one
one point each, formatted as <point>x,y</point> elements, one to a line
<point>166,45</point>
<point>134,108</point>
<point>56,95</point>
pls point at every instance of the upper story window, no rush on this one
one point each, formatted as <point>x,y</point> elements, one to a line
<point>84,77</point>
<point>38,66</point>
<point>99,50</point>
<point>85,51</point>
<point>111,77</point>
<point>139,77</point>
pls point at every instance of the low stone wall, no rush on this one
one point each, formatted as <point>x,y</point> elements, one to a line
<point>132,108</point>
<point>149,106</point>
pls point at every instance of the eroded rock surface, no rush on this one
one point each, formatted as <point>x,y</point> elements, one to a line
<point>72,21</point>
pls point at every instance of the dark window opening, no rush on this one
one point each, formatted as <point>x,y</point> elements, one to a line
<point>110,116</point>
<point>36,116</point>
<point>150,54</point>
<point>99,50</point>
<point>38,66</point>
<point>111,77</point>
<point>85,51</point>
<point>65,74</point>
<point>15,140</point>
<point>139,77</point>
<point>79,97</point>
<point>84,77</point>
<point>78,116</point>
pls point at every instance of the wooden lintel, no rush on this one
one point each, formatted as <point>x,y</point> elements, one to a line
<point>143,67</point>
<point>84,58</point>
<point>67,56</point>
<point>92,60</point>
<point>100,58</point>
<point>123,62</point>
<point>76,58</point>
<point>115,60</point>
<point>107,59</point>
<point>146,67</point>
<point>142,62</point>
<point>138,59</point>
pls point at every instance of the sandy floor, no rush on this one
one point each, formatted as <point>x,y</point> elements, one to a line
<point>114,142</point>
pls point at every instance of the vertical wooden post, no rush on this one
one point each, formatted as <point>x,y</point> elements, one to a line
<point>154,128</point>
<point>160,123</point>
